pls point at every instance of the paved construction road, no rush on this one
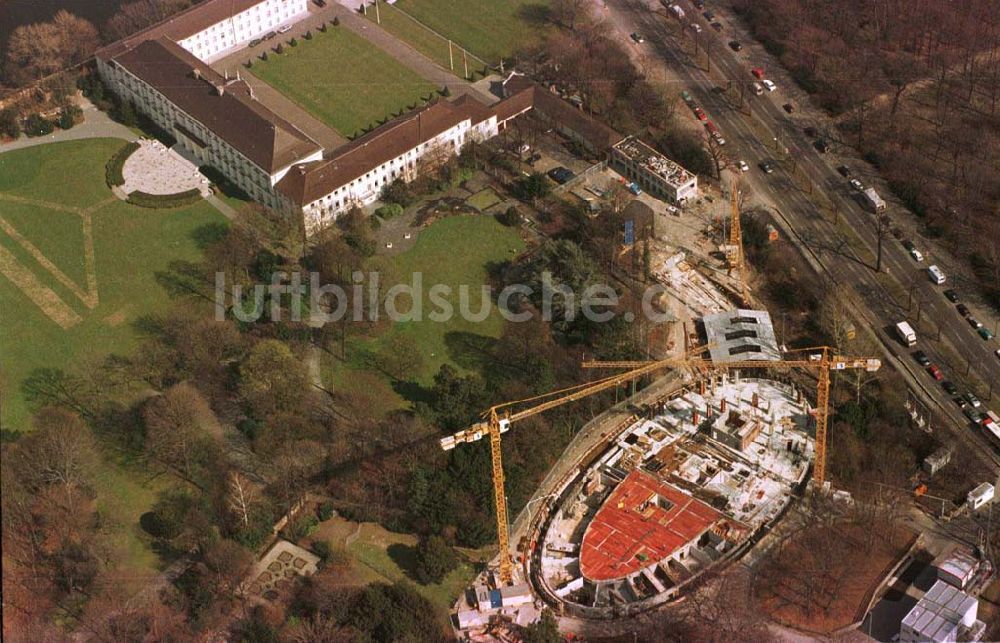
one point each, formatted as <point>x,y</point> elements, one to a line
<point>843,250</point>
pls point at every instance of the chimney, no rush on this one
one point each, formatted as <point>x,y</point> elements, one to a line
<point>695,417</point>
<point>722,406</point>
<point>754,401</point>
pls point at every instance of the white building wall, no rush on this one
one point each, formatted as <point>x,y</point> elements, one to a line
<point>233,32</point>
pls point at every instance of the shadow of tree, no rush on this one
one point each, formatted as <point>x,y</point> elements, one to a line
<point>413,392</point>
<point>535,14</point>
<point>471,351</point>
<point>404,556</point>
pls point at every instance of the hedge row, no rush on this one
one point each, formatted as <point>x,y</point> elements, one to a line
<point>144,200</point>
<point>113,170</point>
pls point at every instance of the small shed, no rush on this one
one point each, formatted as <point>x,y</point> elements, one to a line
<point>958,569</point>
<point>980,496</point>
<point>516,595</point>
<point>937,460</point>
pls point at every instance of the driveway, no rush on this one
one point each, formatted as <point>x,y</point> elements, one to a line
<point>96,124</point>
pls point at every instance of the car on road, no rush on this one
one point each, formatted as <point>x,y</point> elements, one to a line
<point>908,244</point>
<point>916,254</point>
<point>997,353</point>
<point>922,358</point>
<point>974,416</point>
<point>756,89</point>
<point>951,295</point>
<point>320,3</point>
<point>699,4</point>
<point>949,387</point>
<point>963,310</point>
<point>284,28</point>
<point>717,25</point>
<point>743,166</point>
<point>695,27</point>
<point>769,84</point>
<point>767,167</point>
<point>709,15</point>
<point>973,400</point>
<point>560,174</point>
<point>810,132</point>
<point>758,73</point>
<point>700,113</point>
<point>735,45</point>
<point>935,372</point>
<point>856,184</point>
<point>985,333</point>
<point>844,171</point>
<point>821,145</point>
<point>975,323</point>
<point>788,107</point>
<point>637,37</point>
<point>686,97</point>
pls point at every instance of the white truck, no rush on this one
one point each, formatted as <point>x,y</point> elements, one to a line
<point>676,10</point>
<point>906,333</point>
<point>873,201</point>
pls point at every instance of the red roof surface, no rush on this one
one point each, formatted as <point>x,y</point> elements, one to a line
<point>629,532</point>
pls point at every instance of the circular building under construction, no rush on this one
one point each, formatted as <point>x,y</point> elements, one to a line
<point>687,488</point>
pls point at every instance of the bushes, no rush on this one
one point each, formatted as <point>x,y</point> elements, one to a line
<point>389,210</point>
<point>69,116</point>
<point>38,126</point>
<point>509,217</point>
<point>435,559</point>
<point>156,201</point>
<point>322,549</point>
<point>113,169</point>
<point>325,511</point>
<point>9,125</point>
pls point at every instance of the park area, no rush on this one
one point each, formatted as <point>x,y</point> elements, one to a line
<point>453,251</point>
<point>344,80</point>
<point>488,29</point>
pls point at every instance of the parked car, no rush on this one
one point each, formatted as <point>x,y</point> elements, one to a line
<point>637,37</point>
<point>735,45</point>
<point>699,4</point>
<point>769,85</point>
<point>963,310</point>
<point>949,387</point>
<point>700,113</point>
<point>743,166</point>
<point>756,89</point>
<point>916,254</point>
<point>256,41</point>
<point>856,184</point>
<point>717,25</point>
<point>810,132</point>
<point>973,400</point>
<point>985,333</point>
<point>997,353</point>
<point>922,358</point>
<point>767,167</point>
<point>320,3</point>
<point>975,323</point>
<point>821,145</point>
<point>908,244</point>
<point>844,171</point>
<point>788,107</point>
<point>686,97</point>
<point>951,295</point>
<point>284,28</point>
<point>709,15</point>
<point>695,27</point>
<point>758,73</point>
<point>935,372</point>
<point>560,174</point>
<point>974,416</point>
<point>270,34</point>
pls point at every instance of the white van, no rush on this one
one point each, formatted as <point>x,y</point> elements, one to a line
<point>757,89</point>
<point>935,274</point>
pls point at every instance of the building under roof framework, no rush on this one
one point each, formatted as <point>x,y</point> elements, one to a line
<point>740,335</point>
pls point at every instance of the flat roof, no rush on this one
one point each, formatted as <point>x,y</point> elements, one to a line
<point>938,615</point>
<point>654,162</point>
<point>642,522</point>
<point>741,334</point>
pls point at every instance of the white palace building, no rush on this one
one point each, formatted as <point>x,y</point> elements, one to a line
<point>164,71</point>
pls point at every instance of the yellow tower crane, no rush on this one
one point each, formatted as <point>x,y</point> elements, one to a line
<point>497,420</point>
<point>822,360</point>
<point>734,251</point>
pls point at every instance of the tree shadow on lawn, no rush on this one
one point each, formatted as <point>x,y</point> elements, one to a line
<point>209,234</point>
<point>535,14</point>
<point>412,391</point>
<point>471,351</point>
<point>405,557</point>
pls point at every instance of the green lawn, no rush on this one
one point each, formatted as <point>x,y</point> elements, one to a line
<point>490,29</point>
<point>344,80</point>
<point>57,234</point>
<point>453,251</point>
<point>73,177</point>
<point>423,39</point>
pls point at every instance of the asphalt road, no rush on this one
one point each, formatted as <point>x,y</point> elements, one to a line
<point>752,138</point>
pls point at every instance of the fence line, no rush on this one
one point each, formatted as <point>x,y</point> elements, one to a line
<point>437,33</point>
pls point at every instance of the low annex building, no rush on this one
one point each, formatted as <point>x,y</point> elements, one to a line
<point>654,172</point>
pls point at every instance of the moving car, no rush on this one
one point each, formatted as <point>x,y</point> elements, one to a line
<point>743,166</point>
<point>560,174</point>
<point>844,171</point>
<point>810,132</point>
<point>770,85</point>
<point>717,25</point>
<point>686,97</point>
<point>821,145</point>
<point>695,27</point>
<point>788,107</point>
<point>949,387</point>
<point>985,333</point>
<point>963,310</point>
<point>758,73</point>
<point>767,167</point>
<point>916,254</point>
<point>935,372</point>
<point>975,323</point>
<point>735,45</point>
<point>951,295</point>
<point>922,358</point>
<point>856,184</point>
<point>973,400</point>
<point>709,15</point>
<point>997,353</point>
<point>637,37</point>
<point>700,113</point>
<point>908,244</point>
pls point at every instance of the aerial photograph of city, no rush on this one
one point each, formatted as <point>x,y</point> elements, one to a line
<point>534,321</point>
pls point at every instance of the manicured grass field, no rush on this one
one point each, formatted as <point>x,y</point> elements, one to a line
<point>454,251</point>
<point>490,29</point>
<point>344,80</point>
<point>131,245</point>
